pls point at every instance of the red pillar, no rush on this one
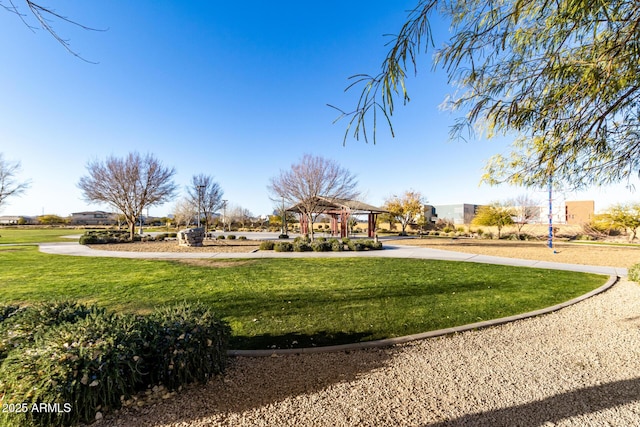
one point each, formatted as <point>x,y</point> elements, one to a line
<point>304,224</point>
<point>344,219</point>
<point>371,225</point>
<point>334,224</point>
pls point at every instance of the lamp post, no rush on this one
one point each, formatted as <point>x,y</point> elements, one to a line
<point>224,214</point>
<point>550,238</point>
<point>200,187</point>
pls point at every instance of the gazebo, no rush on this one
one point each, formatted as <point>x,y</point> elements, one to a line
<point>339,210</point>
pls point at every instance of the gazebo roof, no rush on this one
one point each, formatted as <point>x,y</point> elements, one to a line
<point>327,204</point>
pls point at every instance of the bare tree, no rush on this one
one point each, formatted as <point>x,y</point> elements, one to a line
<point>206,196</point>
<point>9,185</point>
<point>128,184</point>
<point>184,212</point>
<point>45,17</point>
<point>311,183</point>
<point>525,210</point>
<point>239,215</point>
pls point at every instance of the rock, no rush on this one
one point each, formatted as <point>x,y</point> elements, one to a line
<point>191,237</point>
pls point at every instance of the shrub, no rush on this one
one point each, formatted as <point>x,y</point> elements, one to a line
<point>7,310</point>
<point>88,239</point>
<point>372,245</point>
<point>283,236</point>
<point>98,361</point>
<point>634,273</point>
<point>355,245</point>
<point>242,237</point>
<point>220,237</point>
<point>267,245</point>
<point>26,324</point>
<point>304,239</point>
<point>187,343</point>
<point>302,246</point>
<point>336,245</point>
<point>320,245</point>
<point>231,237</point>
<point>88,364</point>
<point>283,247</point>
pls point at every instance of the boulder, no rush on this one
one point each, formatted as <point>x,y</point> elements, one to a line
<point>191,237</point>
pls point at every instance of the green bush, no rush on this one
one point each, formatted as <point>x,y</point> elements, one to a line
<point>267,245</point>
<point>355,246</point>
<point>320,245</point>
<point>302,246</point>
<point>220,237</point>
<point>87,365</point>
<point>336,245</point>
<point>88,240</point>
<point>283,236</point>
<point>106,236</point>
<point>283,247</point>
<point>28,323</point>
<point>634,273</point>
<point>231,237</point>
<point>187,343</point>
<point>96,362</point>
<point>7,310</point>
<point>242,237</point>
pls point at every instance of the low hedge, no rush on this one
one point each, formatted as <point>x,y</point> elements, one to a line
<point>94,360</point>
<point>106,236</point>
<point>302,244</point>
<point>267,245</point>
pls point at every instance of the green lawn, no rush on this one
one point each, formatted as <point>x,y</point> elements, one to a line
<point>297,302</point>
<point>36,235</point>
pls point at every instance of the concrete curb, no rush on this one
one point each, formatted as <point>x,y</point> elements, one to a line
<point>440,332</point>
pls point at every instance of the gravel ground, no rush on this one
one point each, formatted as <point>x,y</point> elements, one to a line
<point>224,246</point>
<point>574,367</point>
<point>571,253</point>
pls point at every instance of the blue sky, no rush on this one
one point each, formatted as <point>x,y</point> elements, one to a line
<point>238,92</point>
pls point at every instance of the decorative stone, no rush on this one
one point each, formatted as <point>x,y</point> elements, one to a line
<point>191,237</point>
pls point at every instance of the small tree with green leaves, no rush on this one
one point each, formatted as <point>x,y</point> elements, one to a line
<point>624,217</point>
<point>405,208</point>
<point>494,215</point>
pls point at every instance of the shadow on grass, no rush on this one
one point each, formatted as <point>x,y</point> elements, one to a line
<point>296,340</point>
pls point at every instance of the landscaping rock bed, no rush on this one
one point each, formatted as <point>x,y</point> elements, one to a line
<point>574,367</point>
<point>570,253</point>
<point>172,246</point>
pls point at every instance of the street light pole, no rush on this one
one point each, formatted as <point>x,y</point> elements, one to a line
<point>224,214</point>
<point>200,187</point>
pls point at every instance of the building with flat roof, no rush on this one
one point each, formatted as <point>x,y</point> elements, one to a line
<point>462,213</point>
<point>94,218</point>
<point>579,211</point>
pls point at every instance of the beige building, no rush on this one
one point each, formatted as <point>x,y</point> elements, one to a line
<point>579,211</point>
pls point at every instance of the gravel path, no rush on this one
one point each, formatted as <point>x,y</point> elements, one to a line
<point>574,367</point>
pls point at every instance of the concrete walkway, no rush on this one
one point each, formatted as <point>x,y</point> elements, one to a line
<point>390,251</point>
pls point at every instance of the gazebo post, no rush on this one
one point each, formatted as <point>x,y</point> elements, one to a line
<point>304,225</point>
<point>334,224</point>
<point>371,225</point>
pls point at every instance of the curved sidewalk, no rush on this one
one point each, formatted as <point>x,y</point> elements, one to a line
<point>390,251</point>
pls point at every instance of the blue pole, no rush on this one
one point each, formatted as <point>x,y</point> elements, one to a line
<point>550,240</point>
